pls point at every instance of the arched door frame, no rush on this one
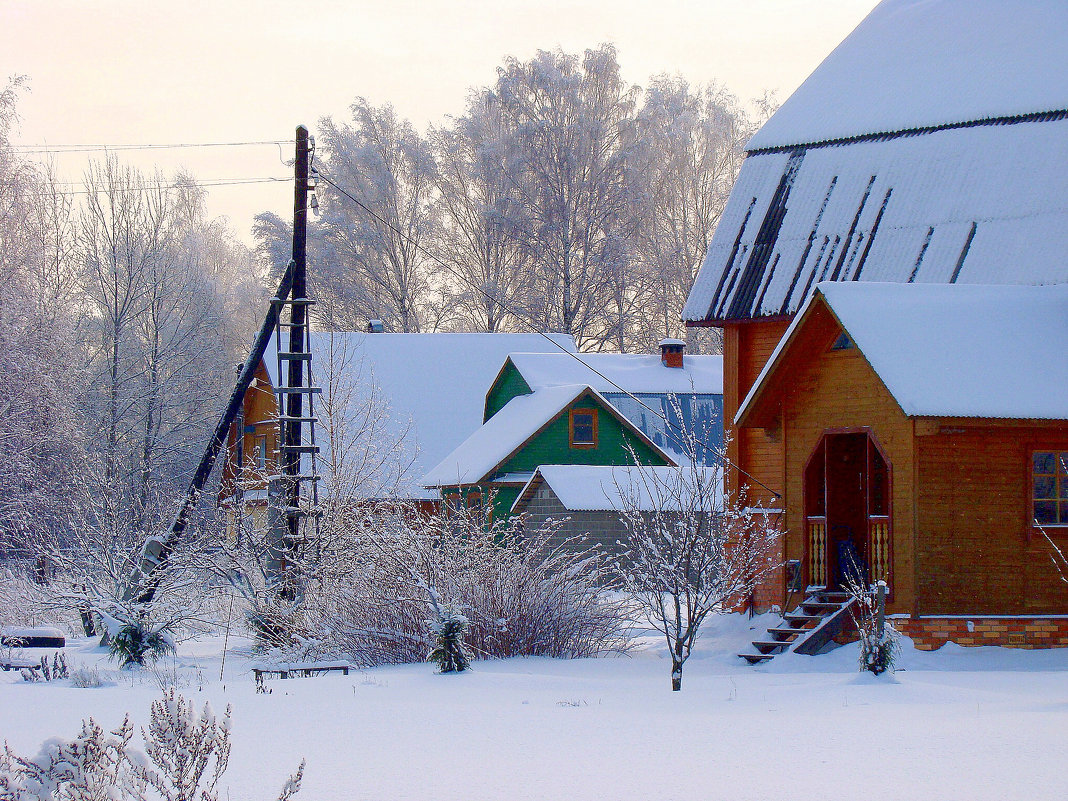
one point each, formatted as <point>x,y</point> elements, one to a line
<point>879,533</point>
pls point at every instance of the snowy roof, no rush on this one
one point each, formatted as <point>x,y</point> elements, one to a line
<point>629,372</point>
<point>492,443</point>
<point>980,205</point>
<point>504,433</point>
<point>433,384</point>
<point>921,63</point>
<point>953,351</point>
<point>581,488</point>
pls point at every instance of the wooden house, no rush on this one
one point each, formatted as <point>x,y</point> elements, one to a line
<point>919,436</point>
<point>928,148</point>
<point>410,398</point>
<point>597,409</point>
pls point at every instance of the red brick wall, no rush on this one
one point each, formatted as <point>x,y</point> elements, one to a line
<point>929,633</point>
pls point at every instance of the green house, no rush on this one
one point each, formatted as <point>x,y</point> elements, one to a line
<point>569,424</point>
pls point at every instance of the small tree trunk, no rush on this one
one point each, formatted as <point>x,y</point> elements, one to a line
<point>676,675</point>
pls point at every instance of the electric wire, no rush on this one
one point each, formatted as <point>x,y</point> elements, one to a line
<point>534,329</point>
<point>87,148</point>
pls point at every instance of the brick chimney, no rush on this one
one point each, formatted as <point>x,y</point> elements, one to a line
<point>671,351</point>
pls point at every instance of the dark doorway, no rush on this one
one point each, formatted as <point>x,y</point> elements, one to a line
<point>847,520</point>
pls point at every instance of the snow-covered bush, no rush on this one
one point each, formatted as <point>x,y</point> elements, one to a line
<point>450,653</point>
<point>879,643</point>
<point>378,602</point>
<point>138,644</point>
<point>185,756</point>
<point>85,677</point>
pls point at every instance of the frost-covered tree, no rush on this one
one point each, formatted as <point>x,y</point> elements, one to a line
<point>378,270</point>
<point>567,145</point>
<point>691,551</point>
<point>690,145</point>
<point>489,270</point>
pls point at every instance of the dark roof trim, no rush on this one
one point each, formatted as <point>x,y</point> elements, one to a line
<point>1037,116</point>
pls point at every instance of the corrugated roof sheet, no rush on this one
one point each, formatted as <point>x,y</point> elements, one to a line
<point>985,204</point>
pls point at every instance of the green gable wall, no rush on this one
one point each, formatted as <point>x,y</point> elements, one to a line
<point>552,445</point>
<point>509,385</point>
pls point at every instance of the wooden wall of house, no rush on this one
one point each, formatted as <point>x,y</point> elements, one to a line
<point>977,550</point>
<point>827,390</point>
<point>746,348</point>
<point>261,411</point>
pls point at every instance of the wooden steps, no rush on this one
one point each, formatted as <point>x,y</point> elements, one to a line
<point>805,630</point>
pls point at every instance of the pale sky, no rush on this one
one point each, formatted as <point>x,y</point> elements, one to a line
<point>139,72</point>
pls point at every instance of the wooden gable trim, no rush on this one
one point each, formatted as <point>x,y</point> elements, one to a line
<point>755,413</point>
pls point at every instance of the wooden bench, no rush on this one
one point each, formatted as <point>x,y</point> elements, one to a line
<point>287,669</point>
<point>19,664</point>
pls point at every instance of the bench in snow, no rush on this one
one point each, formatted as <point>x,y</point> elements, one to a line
<point>19,664</point>
<point>38,637</point>
<point>286,669</point>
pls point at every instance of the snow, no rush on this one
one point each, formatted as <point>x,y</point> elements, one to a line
<point>22,632</point>
<point>629,372</point>
<point>582,488</point>
<point>959,723</point>
<point>437,382</point>
<point>920,63</point>
<point>1008,181</point>
<point>476,457</point>
<point>954,350</point>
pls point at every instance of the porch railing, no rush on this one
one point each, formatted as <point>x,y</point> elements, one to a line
<point>879,548</point>
<point>817,551</point>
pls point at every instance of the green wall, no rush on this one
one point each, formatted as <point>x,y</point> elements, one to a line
<point>509,385</point>
<point>552,445</point>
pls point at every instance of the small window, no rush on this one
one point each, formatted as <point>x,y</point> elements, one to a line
<point>583,428</point>
<point>844,342</point>
<point>259,453</point>
<point>1049,488</point>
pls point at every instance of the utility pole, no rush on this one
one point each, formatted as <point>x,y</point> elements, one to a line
<point>296,416</point>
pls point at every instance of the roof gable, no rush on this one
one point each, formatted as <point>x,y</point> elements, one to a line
<point>496,443</point>
<point>947,351</point>
<point>914,64</point>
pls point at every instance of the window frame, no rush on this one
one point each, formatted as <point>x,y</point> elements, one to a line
<point>259,452</point>
<point>1060,481</point>
<point>571,429</point>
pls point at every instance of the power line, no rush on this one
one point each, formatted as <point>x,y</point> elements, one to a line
<point>535,329</point>
<point>84,148</point>
<point>153,187</point>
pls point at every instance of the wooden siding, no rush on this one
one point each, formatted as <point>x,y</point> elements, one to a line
<point>977,552</point>
<point>746,348</point>
<point>260,411</point>
<point>820,390</point>
<point>509,384</point>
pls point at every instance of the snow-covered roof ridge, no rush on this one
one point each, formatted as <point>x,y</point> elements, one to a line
<point>626,372</point>
<point>953,350</point>
<point>583,488</point>
<point>921,64</point>
<point>432,385</point>
<point>492,443</point>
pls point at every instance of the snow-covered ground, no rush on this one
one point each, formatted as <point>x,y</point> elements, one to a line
<point>981,723</point>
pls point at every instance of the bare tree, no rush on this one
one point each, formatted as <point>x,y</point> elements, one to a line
<point>691,551</point>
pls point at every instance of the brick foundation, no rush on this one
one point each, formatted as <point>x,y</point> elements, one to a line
<point>930,633</point>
